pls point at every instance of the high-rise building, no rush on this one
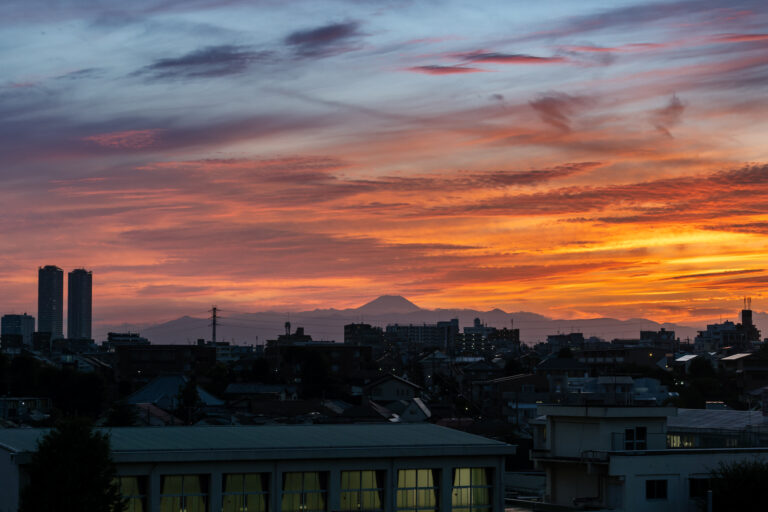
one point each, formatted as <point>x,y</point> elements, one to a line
<point>50,301</point>
<point>79,302</point>
<point>18,325</point>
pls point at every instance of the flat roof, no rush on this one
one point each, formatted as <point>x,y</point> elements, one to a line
<point>276,442</point>
<point>605,411</point>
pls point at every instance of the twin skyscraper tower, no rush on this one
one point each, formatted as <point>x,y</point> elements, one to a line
<point>50,302</point>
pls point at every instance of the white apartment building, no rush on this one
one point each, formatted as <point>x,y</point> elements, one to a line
<point>616,458</point>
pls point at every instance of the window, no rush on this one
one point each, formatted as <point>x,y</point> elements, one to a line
<point>472,490</point>
<point>417,489</point>
<point>184,493</point>
<point>245,492</point>
<point>134,490</point>
<point>655,489</point>
<point>362,490</point>
<point>635,438</point>
<point>304,492</point>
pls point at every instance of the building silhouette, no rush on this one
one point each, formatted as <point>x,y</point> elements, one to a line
<point>18,326</point>
<point>79,304</point>
<point>50,301</point>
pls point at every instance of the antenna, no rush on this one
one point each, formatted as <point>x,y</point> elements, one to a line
<point>214,322</point>
<point>747,302</point>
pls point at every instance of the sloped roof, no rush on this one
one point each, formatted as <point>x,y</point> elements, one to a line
<point>390,376</point>
<point>165,390</point>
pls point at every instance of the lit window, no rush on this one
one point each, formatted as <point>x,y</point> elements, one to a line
<point>245,492</point>
<point>304,492</point>
<point>134,490</point>
<point>472,490</point>
<point>362,490</point>
<point>417,489</point>
<point>187,493</point>
<point>655,489</point>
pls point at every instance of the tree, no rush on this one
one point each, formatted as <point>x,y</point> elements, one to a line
<point>189,401</point>
<point>739,486</point>
<point>121,414</point>
<point>72,470</point>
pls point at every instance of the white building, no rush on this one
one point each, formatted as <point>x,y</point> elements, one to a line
<point>617,458</point>
<point>290,468</point>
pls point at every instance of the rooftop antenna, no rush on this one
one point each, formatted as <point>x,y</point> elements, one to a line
<point>214,322</point>
<point>747,302</point>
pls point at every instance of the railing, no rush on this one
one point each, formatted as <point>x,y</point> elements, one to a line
<point>654,441</point>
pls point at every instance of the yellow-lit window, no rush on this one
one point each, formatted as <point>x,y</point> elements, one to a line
<point>134,490</point>
<point>184,493</point>
<point>362,490</point>
<point>245,492</point>
<point>304,492</point>
<point>472,490</point>
<point>418,489</point>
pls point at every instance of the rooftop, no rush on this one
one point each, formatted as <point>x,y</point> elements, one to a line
<point>709,419</point>
<point>138,444</point>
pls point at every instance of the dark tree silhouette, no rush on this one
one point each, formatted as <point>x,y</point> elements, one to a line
<point>189,401</point>
<point>72,470</point>
<point>739,486</point>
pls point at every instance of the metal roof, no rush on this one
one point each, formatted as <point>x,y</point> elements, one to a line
<point>686,358</point>
<point>706,419</point>
<point>734,357</point>
<point>276,442</point>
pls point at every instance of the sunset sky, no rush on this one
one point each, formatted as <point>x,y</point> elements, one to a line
<point>573,159</point>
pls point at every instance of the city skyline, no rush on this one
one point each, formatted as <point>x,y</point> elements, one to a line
<point>566,159</point>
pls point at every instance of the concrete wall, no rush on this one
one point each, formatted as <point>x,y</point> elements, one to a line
<point>677,467</point>
<point>570,481</point>
<point>9,483</point>
<point>570,437</point>
<point>392,390</point>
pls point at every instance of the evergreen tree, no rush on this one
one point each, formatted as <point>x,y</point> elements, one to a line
<point>72,471</point>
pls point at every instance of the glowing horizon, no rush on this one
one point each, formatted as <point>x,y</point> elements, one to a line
<point>567,160</point>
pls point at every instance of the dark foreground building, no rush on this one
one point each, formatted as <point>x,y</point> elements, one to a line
<point>291,468</point>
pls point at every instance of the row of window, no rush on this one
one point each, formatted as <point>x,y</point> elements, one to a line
<point>418,490</point>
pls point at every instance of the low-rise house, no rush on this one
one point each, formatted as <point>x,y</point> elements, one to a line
<point>410,411</point>
<point>391,388</point>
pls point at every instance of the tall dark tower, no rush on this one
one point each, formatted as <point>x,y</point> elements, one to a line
<point>80,304</point>
<point>50,301</point>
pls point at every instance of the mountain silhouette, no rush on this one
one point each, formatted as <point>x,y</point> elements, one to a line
<point>328,324</point>
<point>388,304</point>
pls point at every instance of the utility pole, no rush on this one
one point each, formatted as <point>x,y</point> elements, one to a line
<point>214,321</point>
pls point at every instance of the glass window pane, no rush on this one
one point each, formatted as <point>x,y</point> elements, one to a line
<point>233,483</point>
<point>171,485</point>
<point>170,504</point>
<point>231,503</point>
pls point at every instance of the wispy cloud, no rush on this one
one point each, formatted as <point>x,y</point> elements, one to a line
<point>557,109</point>
<point>325,40</point>
<point>129,139</point>
<point>505,58</point>
<point>445,70</point>
<point>211,61</point>
<point>670,115</point>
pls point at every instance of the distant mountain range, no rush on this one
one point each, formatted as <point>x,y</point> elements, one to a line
<point>328,324</point>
